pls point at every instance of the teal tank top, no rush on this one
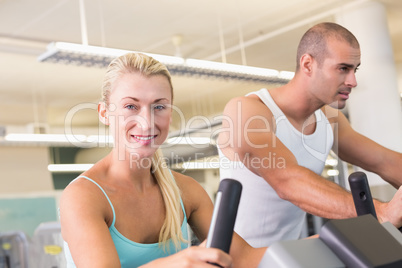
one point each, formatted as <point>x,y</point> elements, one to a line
<point>132,254</point>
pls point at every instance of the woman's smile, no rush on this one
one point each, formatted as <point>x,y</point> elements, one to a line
<point>144,139</point>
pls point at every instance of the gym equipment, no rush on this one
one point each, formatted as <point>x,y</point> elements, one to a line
<point>361,194</point>
<point>14,250</point>
<point>47,247</point>
<point>357,242</point>
<point>224,216</point>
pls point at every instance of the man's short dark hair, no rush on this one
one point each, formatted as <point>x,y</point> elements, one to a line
<point>314,41</point>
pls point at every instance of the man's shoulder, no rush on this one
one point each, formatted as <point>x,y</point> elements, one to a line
<point>250,104</point>
<point>245,99</point>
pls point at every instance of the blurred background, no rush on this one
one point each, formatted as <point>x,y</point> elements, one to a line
<point>59,98</point>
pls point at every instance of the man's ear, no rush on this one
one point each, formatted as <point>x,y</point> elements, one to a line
<point>306,64</point>
<point>102,113</point>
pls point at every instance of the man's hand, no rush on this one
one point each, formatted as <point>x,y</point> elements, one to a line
<point>391,211</point>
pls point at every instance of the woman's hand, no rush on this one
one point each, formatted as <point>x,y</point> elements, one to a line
<point>196,256</point>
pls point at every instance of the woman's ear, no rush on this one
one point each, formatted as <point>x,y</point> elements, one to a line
<point>102,113</point>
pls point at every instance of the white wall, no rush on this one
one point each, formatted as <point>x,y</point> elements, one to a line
<point>24,169</point>
<point>399,75</point>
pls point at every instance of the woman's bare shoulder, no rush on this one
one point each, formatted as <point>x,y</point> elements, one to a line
<point>192,192</point>
<point>84,194</point>
<point>186,183</point>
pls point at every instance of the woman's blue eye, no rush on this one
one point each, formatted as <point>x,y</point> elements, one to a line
<point>159,107</point>
<point>130,107</point>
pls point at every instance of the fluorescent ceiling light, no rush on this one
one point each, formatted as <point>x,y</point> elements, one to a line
<point>69,53</point>
<point>91,140</point>
<point>286,75</point>
<point>101,139</point>
<point>226,67</point>
<point>69,167</point>
<point>331,162</point>
<point>332,172</point>
<point>27,137</point>
<point>59,139</point>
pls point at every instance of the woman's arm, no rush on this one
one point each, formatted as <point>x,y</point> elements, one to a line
<point>197,204</point>
<point>196,256</point>
<point>201,209</point>
<point>84,213</point>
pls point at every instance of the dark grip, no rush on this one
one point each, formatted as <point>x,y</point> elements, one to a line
<point>361,194</point>
<point>224,216</point>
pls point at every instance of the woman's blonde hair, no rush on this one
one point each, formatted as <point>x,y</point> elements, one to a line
<point>147,66</point>
<point>132,63</point>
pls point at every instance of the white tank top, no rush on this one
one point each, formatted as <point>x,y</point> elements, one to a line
<point>263,217</point>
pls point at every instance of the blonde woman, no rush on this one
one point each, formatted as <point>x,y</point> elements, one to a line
<point>129,209</point>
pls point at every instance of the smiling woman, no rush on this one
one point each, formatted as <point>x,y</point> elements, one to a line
<point>129,209</point>
<point>132,89</point>
<point>139,121</point>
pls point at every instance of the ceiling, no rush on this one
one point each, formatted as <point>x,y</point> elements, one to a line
<point>46,93</point>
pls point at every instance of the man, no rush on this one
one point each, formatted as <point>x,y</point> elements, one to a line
<point>275,143</point>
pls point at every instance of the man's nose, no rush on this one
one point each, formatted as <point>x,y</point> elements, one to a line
<point>351,80</point>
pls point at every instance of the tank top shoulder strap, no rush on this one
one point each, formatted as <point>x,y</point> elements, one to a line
<point>107,197</point>
<point>181,201</point>
<point>266,98</point>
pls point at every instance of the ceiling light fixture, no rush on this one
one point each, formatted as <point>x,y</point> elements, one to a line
<point>66,168</point>
<point>64,140</point>
<point>94,56</point>
<point>85,141</point>
<point>56,138</point>
<point>332,172</point>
